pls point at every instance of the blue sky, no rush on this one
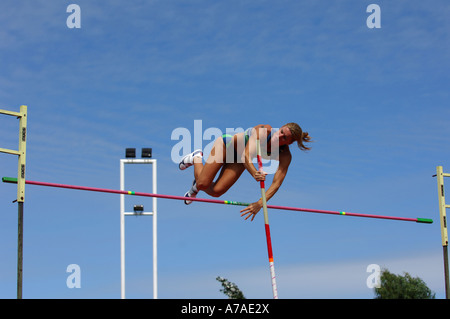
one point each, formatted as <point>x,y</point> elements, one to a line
<point>375,101</point>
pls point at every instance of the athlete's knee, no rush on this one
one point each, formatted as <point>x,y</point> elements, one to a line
<point>211,188</point>
<point>203,184</point>
<point>218,191</point>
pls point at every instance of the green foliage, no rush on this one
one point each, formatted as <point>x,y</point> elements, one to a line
<point>230,289</point>
<point>402,287</point>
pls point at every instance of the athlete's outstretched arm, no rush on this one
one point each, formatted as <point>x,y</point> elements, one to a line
<point>280,174</point>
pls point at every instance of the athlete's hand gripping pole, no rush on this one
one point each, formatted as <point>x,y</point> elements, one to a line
<point>266,222</point>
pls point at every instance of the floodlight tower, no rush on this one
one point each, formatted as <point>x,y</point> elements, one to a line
<point>130,155</point>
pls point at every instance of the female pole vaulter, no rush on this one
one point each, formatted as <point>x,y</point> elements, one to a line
<point>232,155</point>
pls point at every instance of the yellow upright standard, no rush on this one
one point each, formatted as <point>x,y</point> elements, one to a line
<point>443,218</point>
<point>22,116</point>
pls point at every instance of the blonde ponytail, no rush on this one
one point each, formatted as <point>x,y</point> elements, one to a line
<point>299,136</point>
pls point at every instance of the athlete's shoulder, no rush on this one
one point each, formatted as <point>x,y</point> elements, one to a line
<point>263,127</point>
<point>266,126</point>
<point>285,155</point>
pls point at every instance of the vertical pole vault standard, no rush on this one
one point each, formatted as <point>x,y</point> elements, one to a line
<point>443,217</point>
<point>266,223</point>
<point>22,116</point>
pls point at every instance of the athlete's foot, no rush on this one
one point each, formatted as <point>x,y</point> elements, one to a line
<point>188,160</point>
<point>192,193</point>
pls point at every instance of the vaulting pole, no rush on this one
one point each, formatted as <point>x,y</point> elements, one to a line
<point>266,223</point>
<point>217,201</point>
